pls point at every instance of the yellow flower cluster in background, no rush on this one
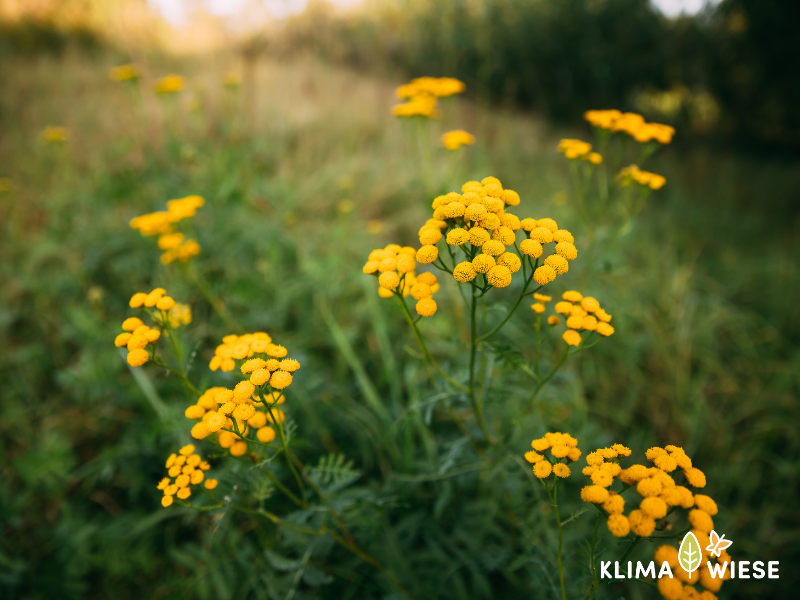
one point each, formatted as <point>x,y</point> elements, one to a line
<point>123,73</point>
<point>169,84</point>
<point>563,447</point>
<point>394,267</point>
<point>137,336</point>
<point>55,134</point>
<point>631,123</point>
<point>188,469</point>
<point>180,314</point>
<point>162,223</point>
<point>581,313</point>
<point>573,149</point>
<point>422,94</point>
<point>634,173</point>
<point>453,140</point>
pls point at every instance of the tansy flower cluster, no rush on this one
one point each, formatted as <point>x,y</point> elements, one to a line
<point>188,469</point>
<point>123,73</point>
<point>162,223</point>
<point>421,95</point>
<point>54,135</point>
<point>476,221</point>
<point>631,123</point>
<point>453,140</point>
<point>218,408</point>
<point>573,149</point>
<point>562,446</point>
<point>276,368</point>
<point>682,585</point>
<point>655,485</point>
<point>394,267</point>
<point>169,84</point>
<point>138,336</point>
<point>634,173</point>
<point>582,313</point>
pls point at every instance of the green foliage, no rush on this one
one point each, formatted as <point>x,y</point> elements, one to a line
<point>705,355</point>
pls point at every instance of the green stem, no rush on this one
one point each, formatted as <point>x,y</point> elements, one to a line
<point>424,347</point>
<point>282,487</point>
<point>160,363</point>
<point>217,304</point>
<point>477,404</point>
<point>554,503</point>
<point>592,565</point>
<point>525,291</point>
<point>286,449</point>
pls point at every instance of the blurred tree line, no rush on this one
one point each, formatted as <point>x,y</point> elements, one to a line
<point>728,72</point>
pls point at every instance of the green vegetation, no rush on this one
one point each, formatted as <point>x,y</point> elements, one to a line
<point>705,354</point>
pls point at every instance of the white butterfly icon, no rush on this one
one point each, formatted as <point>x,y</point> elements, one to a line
<point>718,544</point>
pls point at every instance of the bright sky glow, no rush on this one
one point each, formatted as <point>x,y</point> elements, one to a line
<point>178,12</point>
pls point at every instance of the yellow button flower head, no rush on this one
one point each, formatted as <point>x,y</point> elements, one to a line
<point>499,276</point>
<point>390,280</point>
<point>558,263</point>
<point>265,434</point>
<point>406,263</point>
<point>457,237</point>
<point>594,494</point>
<point>464,272</point>
<point>531,248</point>
<point>453,140</point>
<point>567,250</point>
<point>426,255</point>
<point>654,507</point>
<point>493,248</point>
<point>427,236</point>
<point>641,524</point>
<point>426,307</point>
<point>280,380</point>
<point>542,235</point>
<point>572,337</point>
<point>510,260</point>
<point>618,525</point>
<point>605,329</point>
<point>538,308</point>
<point>544,275</point>
<point>478,236</point>
<point>390,263</point>
<point>482,263</point>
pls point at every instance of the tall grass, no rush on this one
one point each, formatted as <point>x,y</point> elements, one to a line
<point>705,354</point>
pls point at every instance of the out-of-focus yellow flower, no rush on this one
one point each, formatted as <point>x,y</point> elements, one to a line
<point>603,119</point>
<point>123,73</point>
<point>453,140</point>
<point>180,314</point>
<point>440,87</point>
<point>634,173</point>
<point>170,84</point>
<point>574,148</point>
<point>55,134</point>
<point>423,105</point>
<point>5,184</point>
<point>231,79</point>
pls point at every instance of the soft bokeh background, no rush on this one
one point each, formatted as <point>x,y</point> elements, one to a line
<point>304,171</point>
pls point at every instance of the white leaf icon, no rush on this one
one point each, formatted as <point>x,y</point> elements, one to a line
<point>689,554</point>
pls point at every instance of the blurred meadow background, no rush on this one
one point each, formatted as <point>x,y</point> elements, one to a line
<point>285,128</point>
